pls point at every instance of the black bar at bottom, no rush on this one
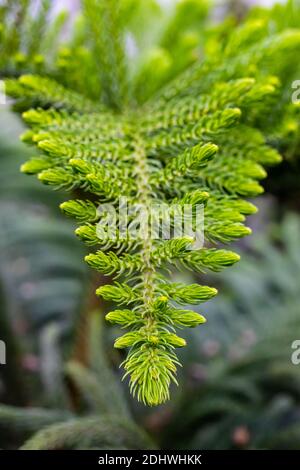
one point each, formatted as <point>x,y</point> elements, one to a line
<point>131,459</point>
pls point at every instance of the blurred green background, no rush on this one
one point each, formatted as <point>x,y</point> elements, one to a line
<point>239,388</point>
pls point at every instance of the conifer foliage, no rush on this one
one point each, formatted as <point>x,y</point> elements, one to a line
<point>198,140</point>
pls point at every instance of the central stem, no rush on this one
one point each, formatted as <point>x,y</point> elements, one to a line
<point>144,198</point>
